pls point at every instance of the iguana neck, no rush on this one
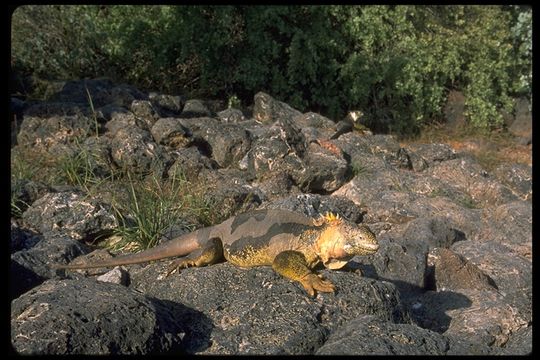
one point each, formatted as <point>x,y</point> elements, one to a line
<point>329,247</point>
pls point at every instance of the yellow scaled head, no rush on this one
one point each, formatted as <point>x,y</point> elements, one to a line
<point>353,239</point>
<point>341,240</point>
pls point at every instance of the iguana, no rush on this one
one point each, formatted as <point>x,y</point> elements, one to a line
<point>290,242</point>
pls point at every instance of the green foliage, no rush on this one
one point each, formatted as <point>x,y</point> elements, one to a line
<point>234,102</point>
<point>152,206</point>
<point>395,63</point>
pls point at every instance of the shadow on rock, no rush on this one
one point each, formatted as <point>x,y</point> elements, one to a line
<point>426,308</point>
<point>195,326</point>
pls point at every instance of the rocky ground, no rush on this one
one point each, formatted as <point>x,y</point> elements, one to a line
<point>453,274</point>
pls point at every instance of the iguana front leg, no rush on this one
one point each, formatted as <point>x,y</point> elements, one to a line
<point>293,265</point>
<point>209,254</point>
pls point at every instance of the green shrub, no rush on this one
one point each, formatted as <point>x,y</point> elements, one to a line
<point>395,63</point>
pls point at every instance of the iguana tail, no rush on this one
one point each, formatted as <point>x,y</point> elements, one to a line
<point>179,246</point>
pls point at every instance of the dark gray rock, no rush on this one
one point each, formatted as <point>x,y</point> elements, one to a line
<point>231,115</point>
<point>510,271</point>
<point>311,119</point>
<point>122,120</point>
<point>450,271</point>
<point>371,180</point>
<point>52,109</point>
<point>429,309</point>
<point>256,311</point>
<point>123,95</point>
<point>369,335</point>
<point>143,109</point>
<point>418,163</point>
<point>22,238</point>
<point>171,132</point>
<point>488,320</point>
<point>282,149</point>
<point>189,163</point>
<point>95,153</point>
<point>276,185</point>
<point>433,153</point>
<point>133,149</point>
<point>31,266</point>
<point>509,224</point>
<point>24,192</point>
<point>226,143</point>
<point>520,343</point>
<point>518,177</point>
<point>485,319</point>
<point>385,145</point>
<point>195,108</point>
<point>167,105</point>
<point>96,91</point>
<point>268,110</point>
<point>476,226</point>
<point>463,346</point>
<point>389,200</point>
<point>436,231</point>
<point>359,147</point>
<point>465,174</point>
<point>311,134</point>
<point>229,193</point>
<point>250,313</point>
<point>60,317</point>
<point>215,105</point>
<point>266,154</point>
<point>401,261</point>
<point>324,171</point>
<point>314,205</point>
<point>403,159</point>
<point>107,112</point>
<point>70,214</point>
<point>55,133</point>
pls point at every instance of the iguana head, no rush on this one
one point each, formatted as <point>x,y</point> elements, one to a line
<point>341,240</point>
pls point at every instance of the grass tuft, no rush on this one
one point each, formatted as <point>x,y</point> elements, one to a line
<point>151,206</point>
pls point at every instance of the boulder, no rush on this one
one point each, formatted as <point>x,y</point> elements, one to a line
<point>368,335</point>
<point>195,108</point>
<point>116,319</point>
<point>268,110</point>
<point>70,214</point>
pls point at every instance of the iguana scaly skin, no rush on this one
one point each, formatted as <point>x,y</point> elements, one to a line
<point>290,242</point>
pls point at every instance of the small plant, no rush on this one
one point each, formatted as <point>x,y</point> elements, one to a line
<point>17,204</point>
<point>94,116</point>
<point>233,102</point>
<point>358,168</point>
<point>81,168</point>
<point>467,202</point>
<point>153,206</point>
<point>438,192</point>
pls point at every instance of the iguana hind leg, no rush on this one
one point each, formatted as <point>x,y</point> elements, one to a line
<point>209,254</point>
<point>293,265</point>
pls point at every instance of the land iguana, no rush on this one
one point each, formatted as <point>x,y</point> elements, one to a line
<point>350,122</point>
<point>293,244</point>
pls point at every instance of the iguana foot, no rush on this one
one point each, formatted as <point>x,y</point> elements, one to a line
<point>177,265</point>
<point>314,282</point>
<point>211,253</point>
<point>293,265</point>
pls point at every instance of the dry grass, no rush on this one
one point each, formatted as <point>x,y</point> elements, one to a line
<point>490,150</point>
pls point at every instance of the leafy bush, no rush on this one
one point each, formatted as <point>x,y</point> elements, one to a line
<point>395,63</point>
